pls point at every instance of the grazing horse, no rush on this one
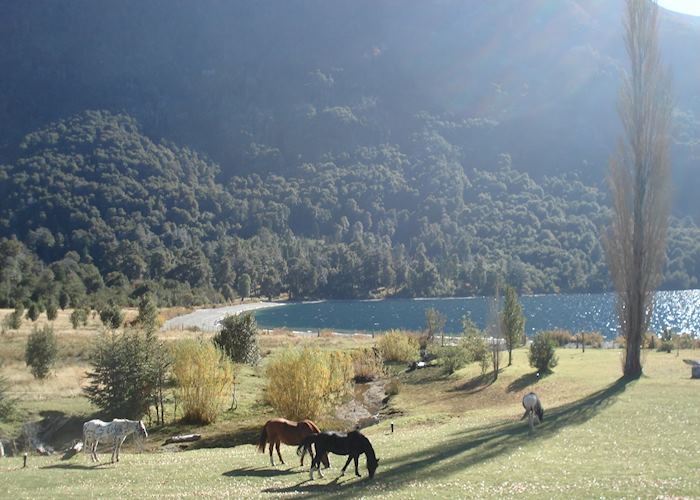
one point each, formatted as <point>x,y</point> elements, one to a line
<point>115,432</point>
<point>280,430</point>
<point>353,444</point>
<point>533,409</point>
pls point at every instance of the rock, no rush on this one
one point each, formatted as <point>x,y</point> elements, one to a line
<point>695,373</point>
<point>185,438</point>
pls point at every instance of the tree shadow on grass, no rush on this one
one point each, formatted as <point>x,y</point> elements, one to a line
<point>260,472</point>
<point>474,446</point>
<point>246,435</point>
<point>475,384</point>
<point>522,382</point>
<point>340,485</point>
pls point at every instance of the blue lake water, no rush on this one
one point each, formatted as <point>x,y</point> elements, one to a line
<point>679,310</point>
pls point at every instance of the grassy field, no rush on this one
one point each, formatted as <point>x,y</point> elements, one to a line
<point>457,436</point>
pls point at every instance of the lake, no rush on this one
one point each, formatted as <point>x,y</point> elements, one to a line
<point>679,310</point>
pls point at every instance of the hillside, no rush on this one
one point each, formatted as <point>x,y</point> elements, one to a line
<point>268,86</point>
<point>322,149</point>
<point>92,207</point>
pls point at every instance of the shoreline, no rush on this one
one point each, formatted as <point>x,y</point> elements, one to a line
<point>208,319</point>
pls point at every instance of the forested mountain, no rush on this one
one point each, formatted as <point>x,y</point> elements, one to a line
<point>327,148</point>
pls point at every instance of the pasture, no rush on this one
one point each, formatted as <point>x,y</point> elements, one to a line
<point>456,436</point>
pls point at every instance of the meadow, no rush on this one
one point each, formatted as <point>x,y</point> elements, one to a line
<point>454,436</point>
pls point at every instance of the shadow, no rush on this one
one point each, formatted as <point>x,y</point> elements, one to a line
<point>476,445</point>
<point>524,381</point>
<point>347,486</point>
<point>247,435</point>
<point>475,384</point>
<point>75,466</point>
<point>425,375</point>
<point>262,472</point>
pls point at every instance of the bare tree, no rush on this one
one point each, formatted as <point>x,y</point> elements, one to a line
<point>635,242</point>
<point>495,331</point>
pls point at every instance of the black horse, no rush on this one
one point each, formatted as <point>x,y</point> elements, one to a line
<point>352,444</point>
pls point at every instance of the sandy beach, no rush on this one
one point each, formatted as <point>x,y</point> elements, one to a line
<point>208,319</point>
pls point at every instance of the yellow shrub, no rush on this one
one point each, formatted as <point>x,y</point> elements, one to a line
<point>398,346</point>
<point>304,382</point>
<point>368,364</point>
<point>204,376</point>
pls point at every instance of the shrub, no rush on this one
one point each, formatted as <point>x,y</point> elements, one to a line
<point>63,300</point>
<point>393,387</point>
<point>33,312</point>
<point>593,339</point>
<point>147,317</point>
<point>7,403</point>
<point>453,358</point>
<point>477,349</point>
<point>122,380</point>
<point>305,382</point>
<point>112,316</point>
<point>542,354</point>
<point>41,351</point>
<point>398,346</point>
<point>560,337</point>
<point>368,364</point>
<point>238,338</point>
<point>204,376</point>
<point>51,311</point>
<point>666,344</point>
<point>78,317</point>
<point>13,320</point>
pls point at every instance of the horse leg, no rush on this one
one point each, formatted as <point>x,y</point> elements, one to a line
<point>311,468</point>
<point>272,460</point>
<point>119,446</point>
<point>357,459</point>
<point>531,420</point>
<point>277,445</point>
<point>114,448</point>
<point>342,471</point>
<point>94,449</point>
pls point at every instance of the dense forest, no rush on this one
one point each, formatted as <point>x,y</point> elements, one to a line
<point>91,207</point>
<point>207,150</point>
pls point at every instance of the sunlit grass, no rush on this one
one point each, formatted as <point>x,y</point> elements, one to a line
<point>456,438</point>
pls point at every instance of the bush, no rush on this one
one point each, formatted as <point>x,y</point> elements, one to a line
<point>112,316</point>
<point>33,312</point>
<point>666,344</point>
<point>78,317</point>
<point>560,337</point>
<point>453,358</point>
<point>41,351</point>
<point>477,349</point>
<point>593,339</point>
<point>147,317</point>
<point>204,376</point>
<point>305,382</point>
<point>542,354</point>
<point>122,379</point>
<point>398,346</point>
<point>393,387</point>
<point>51,312</point>
<point>368,364</point>
<point>13,320</point>
<point>7,403</point>
<point>238,338</point>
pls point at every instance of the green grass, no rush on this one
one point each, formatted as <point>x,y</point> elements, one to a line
<point>457,436</point>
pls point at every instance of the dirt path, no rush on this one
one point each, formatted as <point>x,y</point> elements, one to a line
<point>208,319</point>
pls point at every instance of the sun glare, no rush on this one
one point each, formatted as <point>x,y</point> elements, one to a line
<point>690,7</point>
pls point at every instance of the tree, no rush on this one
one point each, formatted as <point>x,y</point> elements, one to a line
<point>541,354</point>
<point>434,324</point>
<point>63,300</point>
<point>51,311</point>
<point>513,321</point>
<point>121,381</point>
<point>33,311</point>
<point>238,338</point>
<point>635,242</point>
<point>112,316</point>
<point>77,317</point>
<point>148,313</point>
<point>41,351</point>
<point>244,286</point>
<point>495,330</point>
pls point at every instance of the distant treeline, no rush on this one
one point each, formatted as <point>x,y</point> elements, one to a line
<point>93,210</point>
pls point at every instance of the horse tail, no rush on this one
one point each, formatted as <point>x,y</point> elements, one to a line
<point>306,444</point>
<point>263,439</point>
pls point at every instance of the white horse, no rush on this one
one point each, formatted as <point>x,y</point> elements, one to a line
<point>533,409</point>
<point>115,432</point>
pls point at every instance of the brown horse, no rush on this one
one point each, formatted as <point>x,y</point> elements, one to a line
<point>280,430</point>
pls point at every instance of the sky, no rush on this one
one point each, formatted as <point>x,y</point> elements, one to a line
<point>691,7</point>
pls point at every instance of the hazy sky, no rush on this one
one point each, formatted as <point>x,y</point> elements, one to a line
<point>691,7</point>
